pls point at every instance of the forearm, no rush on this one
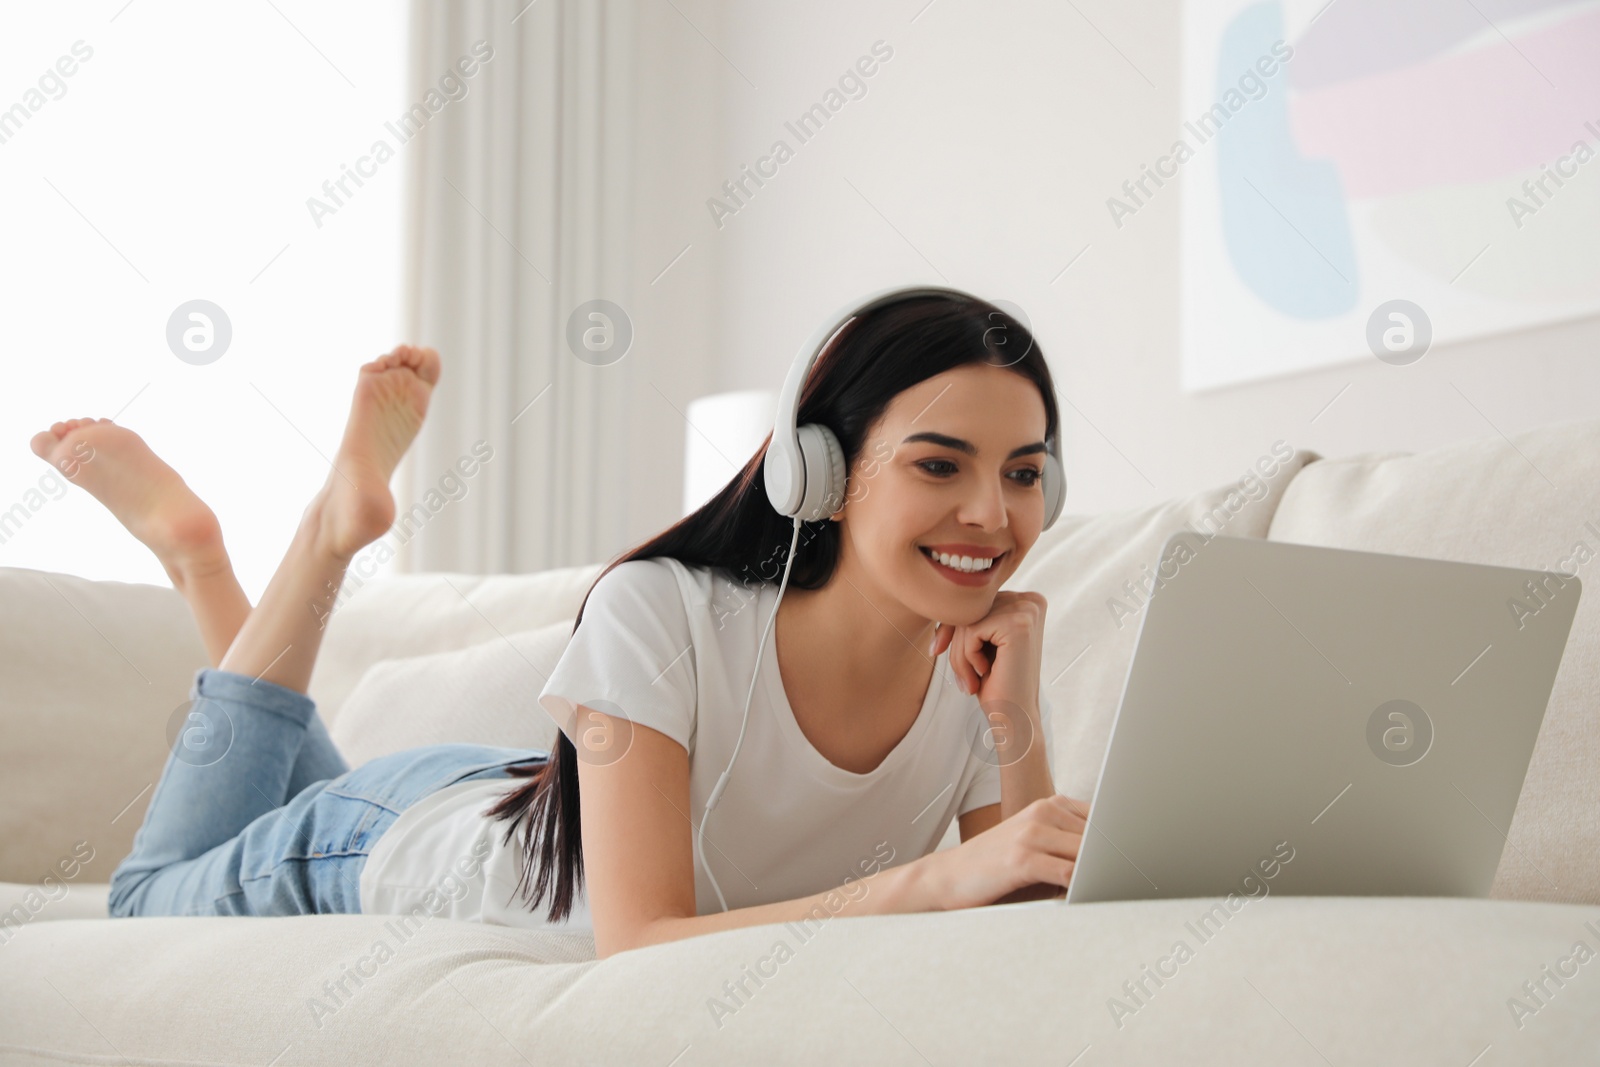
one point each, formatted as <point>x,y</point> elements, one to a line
<point>893,890</point>
<point>1024,766</point>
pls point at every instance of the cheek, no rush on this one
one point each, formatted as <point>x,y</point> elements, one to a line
<point>1027,521</point>
<point>892,511</point>
<point>1025,543</point>
<point>903,516</point>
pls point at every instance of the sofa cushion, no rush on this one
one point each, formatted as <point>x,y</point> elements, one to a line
<point>413,614</point>
<point>1096,572</point>
<point>93,672</point>
<point>485,694</point>
<point>1532,501</point>
<point>1291,980</point>
<point>52,898</point>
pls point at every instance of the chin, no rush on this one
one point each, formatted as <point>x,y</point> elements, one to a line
<point>954,608</point>
<point>965,615</point>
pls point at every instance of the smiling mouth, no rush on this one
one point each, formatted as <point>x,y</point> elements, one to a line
<point>963,564</point>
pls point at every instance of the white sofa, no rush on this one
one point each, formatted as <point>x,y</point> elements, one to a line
<point>92,671</point>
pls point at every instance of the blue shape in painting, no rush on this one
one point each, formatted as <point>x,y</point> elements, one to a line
<point>1284,218</point>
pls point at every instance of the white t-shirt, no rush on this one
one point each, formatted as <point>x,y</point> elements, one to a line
<point>672,647</point>
<point>445,856</point>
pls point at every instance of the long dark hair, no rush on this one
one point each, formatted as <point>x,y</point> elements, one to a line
<point>867,364</point>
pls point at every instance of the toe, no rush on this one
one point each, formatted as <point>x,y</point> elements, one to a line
<point>426,365</point>
<point>42,442</point>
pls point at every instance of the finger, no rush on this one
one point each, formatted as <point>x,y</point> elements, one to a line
<point>959,663</point>
<point>959,667</point>
<point>1061,843</point>
<point>1065,813</point>
<point>1051,872</point>
<point>942,633</point>
<point>1081,807</point>
<point>1053,851</point>
<point>1077,811</point>
<point>973,647</point>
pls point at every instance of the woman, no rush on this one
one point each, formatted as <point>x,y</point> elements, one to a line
<point>857,758</point>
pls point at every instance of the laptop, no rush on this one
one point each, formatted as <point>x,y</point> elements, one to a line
<point>1322,722</point>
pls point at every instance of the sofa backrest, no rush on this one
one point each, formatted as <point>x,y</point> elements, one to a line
<point>1530,500</point>
<point>419,614</point>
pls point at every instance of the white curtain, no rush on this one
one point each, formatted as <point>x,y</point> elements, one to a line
<point>518,212</point>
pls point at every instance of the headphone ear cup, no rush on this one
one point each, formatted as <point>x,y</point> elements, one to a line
<point>823,460</point>
<point>1054,483</point>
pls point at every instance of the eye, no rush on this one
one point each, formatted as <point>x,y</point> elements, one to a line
<point>1033,475</point>
<point>925,463</point>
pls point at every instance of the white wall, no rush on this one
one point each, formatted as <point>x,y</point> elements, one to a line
<point>982,155</point>
<point>674,292</point>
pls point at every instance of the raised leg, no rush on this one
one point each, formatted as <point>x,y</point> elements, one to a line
<point>280,638</point>
<point>352,510</point>
<point>148,497</point>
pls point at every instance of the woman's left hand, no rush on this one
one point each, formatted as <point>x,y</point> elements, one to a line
<point>999,657</point>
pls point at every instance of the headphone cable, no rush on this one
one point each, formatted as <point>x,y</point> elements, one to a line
<point>722,783</point>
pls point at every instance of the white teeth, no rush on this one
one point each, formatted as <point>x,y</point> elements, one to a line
<point>963,563</point>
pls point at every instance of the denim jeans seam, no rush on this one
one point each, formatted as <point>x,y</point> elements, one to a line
<point>331,791</point>
<point>268,875</point>
<point>214,910</point>
<point>299,712</point>
<point>281,860</point>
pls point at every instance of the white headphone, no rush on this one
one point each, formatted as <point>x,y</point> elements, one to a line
<point>804,467</point>
<point>805,476</point>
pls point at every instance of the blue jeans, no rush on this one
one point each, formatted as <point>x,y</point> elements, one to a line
<point>256,813</point>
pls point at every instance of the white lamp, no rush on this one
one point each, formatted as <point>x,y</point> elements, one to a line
<point>724,431</point>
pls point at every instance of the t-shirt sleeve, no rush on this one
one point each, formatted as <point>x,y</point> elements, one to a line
<point>631,656</point>
<point>985,787</point>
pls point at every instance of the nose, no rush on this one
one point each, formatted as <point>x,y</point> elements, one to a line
<point>984,503</point>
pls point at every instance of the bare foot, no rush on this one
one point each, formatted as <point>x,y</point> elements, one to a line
<point>390,401</point>
<point>148,497</point>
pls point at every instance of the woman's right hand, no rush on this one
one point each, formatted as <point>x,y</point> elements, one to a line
<point>1039,844</point>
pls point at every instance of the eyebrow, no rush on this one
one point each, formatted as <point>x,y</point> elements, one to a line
<point>967,446</point>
